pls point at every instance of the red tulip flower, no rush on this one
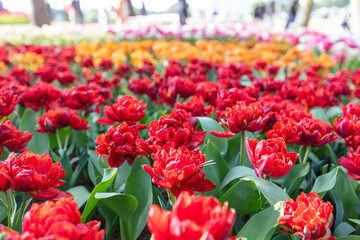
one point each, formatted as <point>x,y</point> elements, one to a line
<point>4,177</point>
<point>308,217</point>
<point>192,218</point>
<point>179,170</point>
<point>56,220</point>
<point>126,108</point>
<point>36,174</point>
<point>61,118</point>
<point>119,144</point>
<point>270,157</point>
<point>172,131</point>
<point>13,139</point>
<point>83,97</point>
<point>316,132</point>
<point>196,107</point>
<point>44,95</point>
<point>352,163</point>
<point>242,117</point>
<point>8,101</point>
<point>287,129</point>
<point>347,126</point>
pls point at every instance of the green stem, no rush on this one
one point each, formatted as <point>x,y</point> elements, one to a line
<point>122,230</point>
<point>242,147</point>
<point>8,209</point>
<point>307,151</point>
<point>57,133</point>
<point>21,212</point>
<point>171,197</point>
<point>67,140</point>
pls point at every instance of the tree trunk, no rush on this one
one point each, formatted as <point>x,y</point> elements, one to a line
<point>40,13</point>
<point>355,16</point>
<point>131,9</point>
<point>309,7</point>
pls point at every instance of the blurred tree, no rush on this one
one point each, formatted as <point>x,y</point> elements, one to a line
<point>292,14</point>
<point>309,8</point>
<point>40,13</point>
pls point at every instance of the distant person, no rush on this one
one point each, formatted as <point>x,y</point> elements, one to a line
<point>183,11</point>
<point>292,14</point>
<point>345,22</point>
<point>143,9</point>
<point>270,11</point>
<point>78,13</point>
<point>2,6</point>
<point>215,13</point>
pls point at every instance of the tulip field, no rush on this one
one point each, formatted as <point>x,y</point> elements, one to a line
<point>175,138</point>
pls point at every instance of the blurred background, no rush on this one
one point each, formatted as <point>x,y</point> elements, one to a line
<point>324,16</point>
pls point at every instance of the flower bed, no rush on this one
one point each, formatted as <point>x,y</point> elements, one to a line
<point>206,139</point>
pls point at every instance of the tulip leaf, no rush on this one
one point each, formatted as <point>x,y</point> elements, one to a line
<point>320,113</point>
<point>350,237</point>
<point>211,75</point>
<point>122,204</point>
<point>81,195</point>
<point>208,124</point>
<point>237,172</point>
<point>347,194</point>
<point>343,229</point>
<point>263,224</point>
<point>357,221</point>
<point>216,170</point>
<point>325,183</point>
<point>294,177</point>
<point>138,185</point>
<point>245,81</point>
<point>244,197</point>
<point>281,75</point>
<point>109,175</point>
<point>39,143</point>
<point>272,192</point>
<point>333,112</point>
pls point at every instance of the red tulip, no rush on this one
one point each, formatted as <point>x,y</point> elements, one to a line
<point>316,132</point>
<point>172,131</point>
<point>347,126</point>
<point>56,220</point>
<point>13,139</point>
<point>126,108</point>
<point>192,218</point>
<point>83,97</point>
<point>35,173</point>
<point>208,90</point>
<point>4,177</point>
<point>353,141</point>
<point>179,170</point>
<point>119,144</point>
<point>8,101</point>
<point>182,86</point>
<point>270,157</point>
<point>242,117</point>
<point>61,118</point>
<point>287,129</point>
<point>196,107</point>
<point>352,163</point>
<point>41,95</point>
<point>308,217</point>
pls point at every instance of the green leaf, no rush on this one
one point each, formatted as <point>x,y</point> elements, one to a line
<point>208,124</point>
<point>357,221</point>
<point>211,76</point>
<point>343,229</point>
<point>244,197</point>
<point>245,81</point>
<point>256,73</point>
<point>294,177</point>
<point>333,112</point>
<point>39,142</point>
<point>320,113</point>
<point>281,75</point>
<point>350,237</point>
<point>122,204</point>
<point>109,175</point>
<point>81,195</point>
<point>237,172</point>
<point>216,170</point>
<point>325,183</point>
<point>347,194</point>
<point>138,184</point>
<point>263,224</point>
<point>272,192</point>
